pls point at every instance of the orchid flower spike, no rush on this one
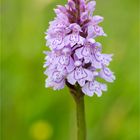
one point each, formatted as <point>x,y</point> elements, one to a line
<point>75,58</point>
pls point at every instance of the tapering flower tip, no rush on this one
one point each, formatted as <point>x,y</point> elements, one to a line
<point>75,56</point>
<point>71,4</point>
<point>91,6</point>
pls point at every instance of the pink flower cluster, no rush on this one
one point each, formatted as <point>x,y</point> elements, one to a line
<point>75,56</point>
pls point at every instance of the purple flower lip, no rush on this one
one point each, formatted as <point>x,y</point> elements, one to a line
<point>107,72</point>
<point>58,77</point>
<point>93,86</point>
<point>74,38</point>
<point>57,41</point>
<point>86,51</point>
<point>97,29</point>
<point>64,60</point>
<point>97,57</point>
<point>90,86</point>
<point>105,61</point>
<point>80,74</point>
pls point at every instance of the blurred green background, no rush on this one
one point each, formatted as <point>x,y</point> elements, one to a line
<point>31,112</point>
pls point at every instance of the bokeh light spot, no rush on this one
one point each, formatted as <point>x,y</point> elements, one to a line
<point>41,130</point>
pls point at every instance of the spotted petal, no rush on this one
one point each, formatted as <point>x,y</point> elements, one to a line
<point>92,88</point>
<point>107,74</point>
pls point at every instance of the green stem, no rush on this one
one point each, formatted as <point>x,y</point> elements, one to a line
<point>78,96</point>
<point>81,124</point>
